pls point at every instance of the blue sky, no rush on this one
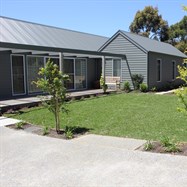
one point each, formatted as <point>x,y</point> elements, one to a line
<point>101,17</point>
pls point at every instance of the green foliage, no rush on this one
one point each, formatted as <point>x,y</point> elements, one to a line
<point>178,33</point>
<point>45,130</point>
<point>182,92</point>
<point>170,145</point>
<point>148,21</point>
<point>126,86</point>
<point>148,145</point>
<point>103,85</point>
<point>135,115</point>
<point>20,125</point>
<point>52,82</point>
<point>184,8</point>
<point>137,79</point>
<point>154,89</point>
<point>69,131</point>
<point>143,87</point>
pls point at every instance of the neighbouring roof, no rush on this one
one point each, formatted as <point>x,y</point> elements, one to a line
<point>21,32</point>
<point>147,44</point>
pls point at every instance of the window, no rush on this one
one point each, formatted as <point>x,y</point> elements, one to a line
<point>173,70</point>
<point>117,67</point>
<point>159,69</point>
<point>18,74</point>
<point>34,63</point>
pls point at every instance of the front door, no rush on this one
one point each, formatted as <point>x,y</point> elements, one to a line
<point>18,75</point>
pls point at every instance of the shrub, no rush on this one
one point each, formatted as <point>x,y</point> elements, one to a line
<point>103,85</point>
<point>45,130</point>
<point>69,132</point>
<point>126,86</point>
<point>169,145</point>
<point>20,125</point>
<point>143,87</point>
<point>153,89</point>
<point>137,79</point>
<point>148,146</point>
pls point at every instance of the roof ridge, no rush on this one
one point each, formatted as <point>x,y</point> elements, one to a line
<point>49,26</point>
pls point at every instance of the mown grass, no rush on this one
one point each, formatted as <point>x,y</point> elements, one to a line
<point>135,115</point>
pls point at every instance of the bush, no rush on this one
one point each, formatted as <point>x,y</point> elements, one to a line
<point>143,87</point>
<point>148,146</point>
<point>69,132</point>
<point>20,125</point>
<point>154,89</point>
<point>137,79</point>
<point>45,130</point>
<point>126,86</point>
<point>169,145</point>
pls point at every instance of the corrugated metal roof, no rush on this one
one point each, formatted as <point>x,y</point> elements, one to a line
<point>153,45</point>
<point>21,32</point>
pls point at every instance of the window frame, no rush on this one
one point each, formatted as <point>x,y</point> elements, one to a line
<point>173,70</point>
<point>160,76</point>
<point>120,66</point>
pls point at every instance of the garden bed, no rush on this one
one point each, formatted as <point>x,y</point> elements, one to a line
<point>157,147</point>
<point>75,132</point>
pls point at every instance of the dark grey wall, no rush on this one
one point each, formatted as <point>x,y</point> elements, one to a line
<point>136,58</point>
<point>166,76</point>
<point>5,75</point>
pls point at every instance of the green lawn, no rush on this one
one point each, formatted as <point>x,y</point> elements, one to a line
<point>145,116</point>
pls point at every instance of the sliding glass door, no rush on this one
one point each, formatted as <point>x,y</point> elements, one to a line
<point>34,63</point>
<point>18,75</point>
<point>69,69</point>
<point>80,73</point>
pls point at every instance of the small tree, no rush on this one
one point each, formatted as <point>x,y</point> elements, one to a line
<point>103,85</point>
<point>182,93</point>
<point>52,82</point>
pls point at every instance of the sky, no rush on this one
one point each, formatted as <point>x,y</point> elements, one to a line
<point>100,17</point>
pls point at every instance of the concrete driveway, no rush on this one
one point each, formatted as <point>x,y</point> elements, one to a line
<point>32,160</point>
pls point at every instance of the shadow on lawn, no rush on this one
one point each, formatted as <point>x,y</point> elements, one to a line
<point>80,130</point>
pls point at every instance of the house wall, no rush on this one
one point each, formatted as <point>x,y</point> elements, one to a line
<point>136,58</point>
<point>5,75</point>
<point>166,75</point>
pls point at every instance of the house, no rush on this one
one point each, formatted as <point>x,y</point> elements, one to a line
<point>25,47</point>
<point>155,60</point>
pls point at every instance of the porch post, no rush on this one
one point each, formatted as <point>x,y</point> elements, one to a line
<point>61,62</point>
<point>103,67</point>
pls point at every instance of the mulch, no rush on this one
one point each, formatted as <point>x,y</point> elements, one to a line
<point>158,148</point>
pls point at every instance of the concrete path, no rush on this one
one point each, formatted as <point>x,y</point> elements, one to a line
<point>7,121</point>
<point>30,160</point>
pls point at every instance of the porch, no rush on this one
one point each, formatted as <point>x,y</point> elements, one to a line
<point>14,104</point>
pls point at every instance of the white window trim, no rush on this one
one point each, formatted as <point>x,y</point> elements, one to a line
<point>113,66</point>
<point>160,69</point>
<point>23,73</point>
<point>173,61</point>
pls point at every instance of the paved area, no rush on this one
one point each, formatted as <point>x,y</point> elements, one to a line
<point>7,121</point>
<point>30,160</point>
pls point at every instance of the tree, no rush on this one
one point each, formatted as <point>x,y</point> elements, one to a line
<point>178,34</point>
<point>182,93</point>
<point>52,82</point>
<point>150,24</point>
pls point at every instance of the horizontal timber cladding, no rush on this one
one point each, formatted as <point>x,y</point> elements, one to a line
<point>136,61</point>
<point>166,70</point>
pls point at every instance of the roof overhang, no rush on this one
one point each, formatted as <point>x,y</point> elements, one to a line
<point>24,48</point>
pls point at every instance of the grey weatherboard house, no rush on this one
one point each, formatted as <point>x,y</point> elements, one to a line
<point>156,61</point>
<point>25,47</point>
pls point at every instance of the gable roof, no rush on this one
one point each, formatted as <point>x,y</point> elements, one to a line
<point>147,44</point>
<point>27,33</point>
